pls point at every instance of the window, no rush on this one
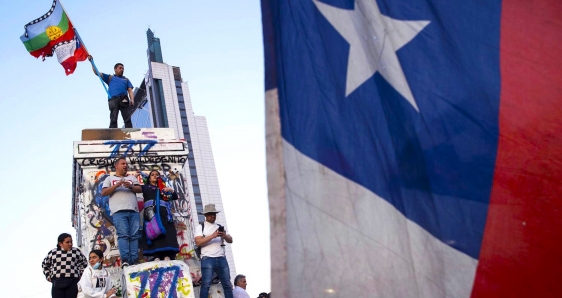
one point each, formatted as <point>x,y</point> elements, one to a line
<point>191,163</point>
<point>192,171</point>
<point>160,104</point>
<point>196,189</point>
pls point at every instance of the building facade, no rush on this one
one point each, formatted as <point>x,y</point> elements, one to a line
<point>163,100</point>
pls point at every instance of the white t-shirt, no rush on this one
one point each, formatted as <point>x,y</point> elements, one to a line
<point>122,198</point>
<point>238,292</point>
<point>213,248</point>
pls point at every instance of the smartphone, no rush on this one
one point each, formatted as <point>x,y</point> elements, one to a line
<point>221,229</point>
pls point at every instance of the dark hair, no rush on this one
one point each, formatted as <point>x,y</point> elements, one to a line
<point>62,237</point>
<point>98,252</point>
<point>263,295</point>
<point>114,67</point>
<point>238,278</point>
<point>118,159</point>
<point>148,178</point>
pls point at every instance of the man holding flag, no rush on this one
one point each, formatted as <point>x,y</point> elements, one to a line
<point>119,87</point>
<point>51,33</point>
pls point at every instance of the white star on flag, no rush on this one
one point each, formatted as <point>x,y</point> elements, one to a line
<point>373,39</point>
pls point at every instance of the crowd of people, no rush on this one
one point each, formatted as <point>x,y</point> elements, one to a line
<point>73,276</point>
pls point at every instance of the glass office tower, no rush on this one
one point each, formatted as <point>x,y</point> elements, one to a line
<point>162,100</point>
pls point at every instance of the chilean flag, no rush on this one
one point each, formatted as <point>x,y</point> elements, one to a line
<point>414,147</point>
<point>69,53</point>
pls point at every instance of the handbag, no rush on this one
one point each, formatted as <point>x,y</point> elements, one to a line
<point>154,227</point>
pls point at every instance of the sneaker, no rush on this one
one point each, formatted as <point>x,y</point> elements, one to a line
<point>125,264</point>
<point>156,259</point>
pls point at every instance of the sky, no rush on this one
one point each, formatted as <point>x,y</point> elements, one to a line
<point>217,44</point>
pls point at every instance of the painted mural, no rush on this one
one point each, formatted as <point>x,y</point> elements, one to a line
<point>162,279</point>
<point>91,214</point>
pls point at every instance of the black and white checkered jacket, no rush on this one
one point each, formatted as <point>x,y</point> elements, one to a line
<point>60,263</point>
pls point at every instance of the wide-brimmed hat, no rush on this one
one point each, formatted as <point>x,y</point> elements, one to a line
<point>209,209</point>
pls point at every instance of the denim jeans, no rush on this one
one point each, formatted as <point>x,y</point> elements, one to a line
<point>220,266</point>
<point>127,224</point>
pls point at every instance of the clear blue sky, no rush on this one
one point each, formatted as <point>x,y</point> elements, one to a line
<point>217,44</point>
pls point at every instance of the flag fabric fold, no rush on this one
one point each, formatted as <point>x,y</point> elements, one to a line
<point>53,33</point>
<point>413,147</point>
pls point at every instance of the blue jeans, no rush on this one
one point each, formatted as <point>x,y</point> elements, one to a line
<point>220,266</point>
<point>127,224</point>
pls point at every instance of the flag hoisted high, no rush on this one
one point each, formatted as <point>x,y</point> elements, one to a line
<point>53,31</point>
<point>413,147</point>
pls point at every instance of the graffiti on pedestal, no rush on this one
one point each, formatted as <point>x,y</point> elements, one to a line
<point>98,214</point>
<point>128,146</point>
<point>143,156</point>
<point>169,279</point>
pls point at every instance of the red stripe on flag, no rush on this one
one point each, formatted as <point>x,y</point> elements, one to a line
<point>69,64</point>
<point>48,49</point>
<point>521,252</point>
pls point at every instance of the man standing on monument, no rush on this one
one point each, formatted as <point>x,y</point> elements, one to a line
<point>119,87</point>
<point>121,189</point>
<point>210,237</point>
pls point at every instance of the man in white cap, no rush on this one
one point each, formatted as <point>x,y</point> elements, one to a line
<point>210,237</point>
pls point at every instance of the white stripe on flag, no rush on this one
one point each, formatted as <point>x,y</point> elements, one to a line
<point>342,240</point>
<point>65,51</point>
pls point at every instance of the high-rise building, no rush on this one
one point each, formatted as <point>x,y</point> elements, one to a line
<point>163,100</point>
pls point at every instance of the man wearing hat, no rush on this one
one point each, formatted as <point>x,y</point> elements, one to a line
<point>210,237</point>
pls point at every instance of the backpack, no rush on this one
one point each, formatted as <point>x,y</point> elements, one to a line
<point>198,248</point>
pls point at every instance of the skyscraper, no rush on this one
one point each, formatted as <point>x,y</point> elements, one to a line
<point>163,100</point>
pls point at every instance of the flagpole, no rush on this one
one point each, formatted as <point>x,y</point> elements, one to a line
<point>99,76</point>
<point>85,48</point>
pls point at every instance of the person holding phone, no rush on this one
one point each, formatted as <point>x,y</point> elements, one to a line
<point>164,247</point>
<point>121,189</point>
<point>96,281</point>
<point>211,237</point>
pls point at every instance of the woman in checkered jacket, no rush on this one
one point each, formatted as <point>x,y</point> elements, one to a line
<point>63,267</point>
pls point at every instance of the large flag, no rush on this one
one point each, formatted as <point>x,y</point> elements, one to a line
<point>53,31</point>
<point>414,147</point>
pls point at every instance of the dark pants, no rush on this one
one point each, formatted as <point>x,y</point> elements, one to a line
<point>69,292</point>
<point>116,104</point>
<point>163,255</point>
